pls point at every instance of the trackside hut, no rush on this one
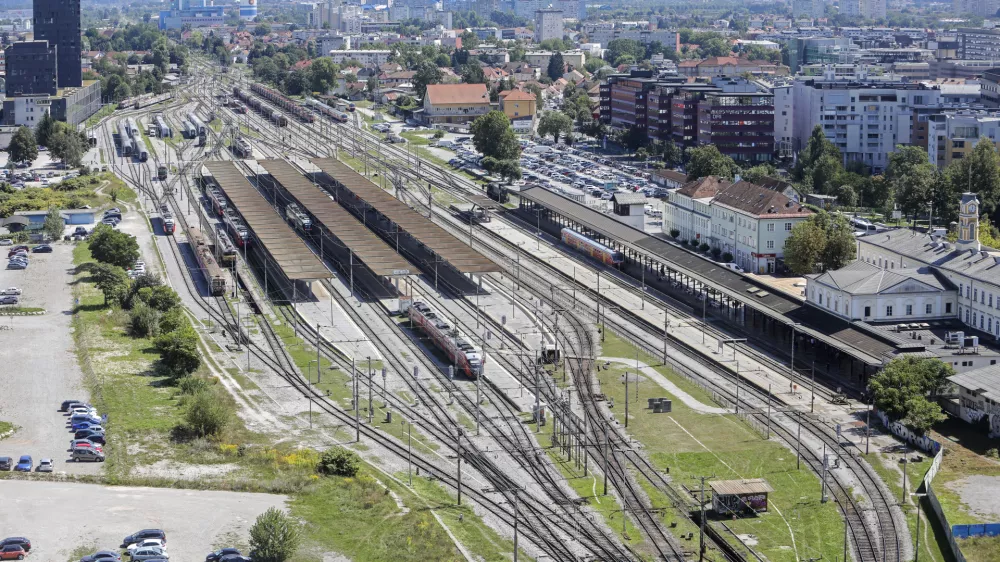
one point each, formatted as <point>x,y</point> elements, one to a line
<point>739,497</point>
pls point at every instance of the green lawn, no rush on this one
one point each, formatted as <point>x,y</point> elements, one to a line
<point>101,114</point>
<point>691,444</point>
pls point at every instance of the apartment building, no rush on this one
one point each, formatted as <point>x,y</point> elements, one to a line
<point>865,119</point>
<point>455,103</point>
<point>548,24</point>
<point>729,66</point>
<point>975,43</point>
<point>372,57</point>
<point>749,221</point>
<point>574,58</point>
<point>870,9</point>
<point>952,135</point>
<point>605,35</point>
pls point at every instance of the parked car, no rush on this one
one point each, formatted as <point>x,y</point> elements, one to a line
<point>12,552</point>
<point>102,556</point>
<point>218,554</point>
<point>17,265</point>
<point>69,404</point>
<point>87,454</point>
<point>42,249</point>
<point>45,465</point>
<point>84,443</point>
<point>6,463</point>
<point>144,534</point>
<point>93,437</point>
<point>8,299</point>
<point>733,267</point>
<point>23,542</point>
<point>85,416</point>
<point>149,553</point>
<point>80,231</point>
<point>6,242</point>
<point>86,425</point>
<point>24,464</point>
<point>145,543</point>
<point>235,558</point>
<point>84,410</point>
<point>11,291</point>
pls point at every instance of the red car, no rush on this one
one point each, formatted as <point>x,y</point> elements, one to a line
<point>12,552</point>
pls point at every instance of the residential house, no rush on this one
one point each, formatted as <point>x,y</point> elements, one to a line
<point>520,107</point>
<point>455,103</point>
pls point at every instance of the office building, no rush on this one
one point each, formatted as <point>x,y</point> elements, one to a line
<point>985,8</point>
<point>808,8</point>
<point>58,22</point>
<point>70,105</point>
<point>193,13</point>
<point>32,68</point>
<point>605,35</point>
<point>975,43</point>
<point>952,135</point>
<point>548,24</point>
<point>870,9</point>
<point>248,10</point>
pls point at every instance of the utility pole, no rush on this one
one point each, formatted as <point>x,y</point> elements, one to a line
<point>812,391</point>
<point>319,368</point>
<point>370,410</point>
<point>666,323</point>
<point>600,326</point>
<point>626,399</point>
<point>607,467</point>
<point>458,451</point>
<point>538,405</point>
<point>868,425</point>
<point>357,407</point>
<point>409,453</point>
<point>516,516</point>
<point>701,522</point>
<point>704,303</point>
<point>769,414</point>
<point>798,444</point>
<point>822,485</point>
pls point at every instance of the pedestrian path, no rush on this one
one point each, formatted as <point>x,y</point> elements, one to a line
<point>668,385</point>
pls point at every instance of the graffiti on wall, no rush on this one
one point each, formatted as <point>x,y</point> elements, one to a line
<point>921,442</point>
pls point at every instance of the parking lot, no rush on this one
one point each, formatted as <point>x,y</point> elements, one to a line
<point>60,517</point>
<point>41,369</point>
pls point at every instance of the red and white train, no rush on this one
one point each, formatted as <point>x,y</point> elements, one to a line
<point>327,111</point>
<point>218,200</point>
<point>599,252</point>
<point>237,230</point>
<point>466,357</point>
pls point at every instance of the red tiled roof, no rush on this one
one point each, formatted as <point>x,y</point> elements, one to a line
<point>704,187</point>
<point>517,95</point>
<point>440,94</point>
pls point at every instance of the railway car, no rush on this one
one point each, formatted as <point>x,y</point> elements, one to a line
<point>92,140</point>
<point>197,122</point>
<point>202,139</point>
<point>285,104</point>
<point>497,192</point>
<point>161,172</point>
<point>327,111</point>
<point>133,129</point>
<point>168,224</point>
<point>162,129</point>
<point>218,200</point>
<point>214,276</point>
<point>225,251</point>
<point>242,148</point>
<point>279,119</point>
<point>239,231</point>
<point>599,252</point>
<point>466,357</point>
<point>298,219</point>
<point>239,108</point>
<point>141,152</point>
<point>126,142</point>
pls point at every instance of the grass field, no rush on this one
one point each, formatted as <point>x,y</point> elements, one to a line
<point>692,444</point>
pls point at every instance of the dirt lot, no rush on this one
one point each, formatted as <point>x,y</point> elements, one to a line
<point>41,369</point>
<point>195,521</point>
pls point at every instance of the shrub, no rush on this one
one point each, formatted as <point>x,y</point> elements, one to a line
<point>159,297</point>
<point>171,320</point>
<point>139,283</point>
<point>727,257</point>
<point>207,414</point>
<point>143,321</point>
<point>338,461</point>
<point>192,385</point>
<point>674,233</point>
<point>438,134</point>
<point>993,453</point>
<point>716,252</point>
<point>179,351</point>
<point>274,537</point>
<point>703,247</point>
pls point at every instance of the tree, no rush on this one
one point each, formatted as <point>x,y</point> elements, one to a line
<point>111,246</point>
<point>624,47</point>
<point>45,129</point>
<point>804,247</point>
<point>557,66</point>
<point>978,172</point>
<point>816,147</point>
<point>338,461</point>
<point>902,387</point>
<point>262,29</point>
<point>911,177</point>
<point>274,537</point>
<point>22,146</point>
<point>54,224</point>
<point>555,123</point>
<point>708,161</point>
<point>715,47</point>
<point>672,154</point>
<point>68,145</point>
<point>110,280</point>
<point>160,297</point>
<point>469,40</point>
<point>208,414</point>
<point>323,74</point>
<point>178,351</point>
<point>426,73</point>
<point>492,135</point>
<point>757,173</point>
<point>472,73</point>
<point>824,239</point>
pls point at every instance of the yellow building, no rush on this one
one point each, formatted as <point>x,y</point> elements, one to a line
<point>520,107</point>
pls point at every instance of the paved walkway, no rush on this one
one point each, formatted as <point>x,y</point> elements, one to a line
<point>669,386</point>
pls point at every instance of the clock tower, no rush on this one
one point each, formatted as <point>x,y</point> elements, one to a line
<point>968,223</point>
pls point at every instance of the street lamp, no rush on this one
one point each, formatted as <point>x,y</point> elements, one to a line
<point>916,549</point>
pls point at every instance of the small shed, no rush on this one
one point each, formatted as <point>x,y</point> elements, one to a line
<point>740,497</point>
<point>36,219</point>
<point>628,208</point>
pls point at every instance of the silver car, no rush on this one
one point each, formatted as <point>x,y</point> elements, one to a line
<point>86,454</point>
<point>149,553</point>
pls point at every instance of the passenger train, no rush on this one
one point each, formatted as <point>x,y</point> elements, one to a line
<point>225,251</point>
<point>466,357</point>
<point>242,148</point>
<point>214,275</point>
<point>239,231</point>
<point>599,252</point>
<point>290,106</point>
<point>298,219</point>
<point>218,200</point>
<point>327,111</point>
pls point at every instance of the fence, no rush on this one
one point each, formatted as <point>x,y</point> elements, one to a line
<point>980,530</point>
<point>938,513</point>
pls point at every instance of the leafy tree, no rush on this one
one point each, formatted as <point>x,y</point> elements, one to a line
<point>846,195</point>
<point>179,351</point>
<point>715,47</point>
<point>22,146</point>
<point>708,161</point>
<point>757,173</point>
<point>672,154</point>
<point>426,73</point>
<point>823,172</point>
<point>110,280</point>
<point>262,29</point>
<point>54,224</point>
<point>338,461</point>
<point>822,238</point>
<point>111,246</point>
<point>557,66</point>
<point>902,387</point>
<point>68,145</point>
<point>911,176</point>
<point>624,47</point>
<point>492,135</point>
<point>472,73</point>
<point>632,138</point>
<point>469,40</point>
<point>144,321</point>
<point>816,147</point>
<point>506,169</point>
<point>208,414</point>
<point>323,73</point>
<point>160,297</point>
<point>274,537</point>
<point>978,172</point>
<point>555,123</point>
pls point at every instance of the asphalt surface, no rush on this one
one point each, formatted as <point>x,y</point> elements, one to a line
<point>60,517</point>
<point>40,369</point>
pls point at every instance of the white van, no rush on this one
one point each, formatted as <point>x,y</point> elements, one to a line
<point>444,144</point>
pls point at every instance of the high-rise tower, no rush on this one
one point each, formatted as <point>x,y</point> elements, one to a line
<point>58,22</point>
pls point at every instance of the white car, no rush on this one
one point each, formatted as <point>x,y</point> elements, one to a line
<point>11,291</point>
<point>146,543</point>
<point>733,267</point>
<point>84,411</point>
<point>45,465</point>
<point>148,553</point>
<point>6,242</point>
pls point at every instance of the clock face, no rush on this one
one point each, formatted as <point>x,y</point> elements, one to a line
<point>972,208</point>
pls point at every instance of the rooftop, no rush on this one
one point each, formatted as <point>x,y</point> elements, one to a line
<point>447,94</point>
<point>915,248</point>
<point>985,381</point>
<point>745,486</point>
<point>704,187</point>
<point>759,201</point>
<point>864,278</point>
